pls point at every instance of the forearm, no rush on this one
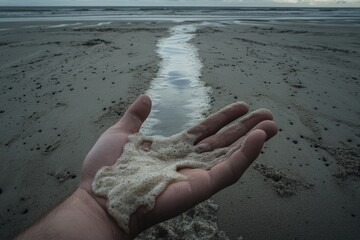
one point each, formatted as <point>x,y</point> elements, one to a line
<point>78,217</point>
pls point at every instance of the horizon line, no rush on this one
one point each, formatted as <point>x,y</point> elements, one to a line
<point>215,6</point>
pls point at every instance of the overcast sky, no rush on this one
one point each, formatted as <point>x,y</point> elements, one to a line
<point>295,3</point>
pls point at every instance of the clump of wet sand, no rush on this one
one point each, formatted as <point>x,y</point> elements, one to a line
<point>199,222</point>
<point>348,160</point>
<point>347,157</point>
<point>146,167</point>
<point>284,184</point>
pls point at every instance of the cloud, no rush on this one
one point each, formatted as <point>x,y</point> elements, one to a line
<point>316,2</point>
<point>320,3</point>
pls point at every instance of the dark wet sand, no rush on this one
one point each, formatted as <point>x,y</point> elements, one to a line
<point>306,182</point>
<point>62,87</point>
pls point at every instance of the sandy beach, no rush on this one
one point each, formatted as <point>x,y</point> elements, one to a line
<point>60,89</point>
<point>62,86</point>
<point>306,185</point>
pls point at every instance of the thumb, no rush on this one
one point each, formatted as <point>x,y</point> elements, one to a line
<point>135,115</point>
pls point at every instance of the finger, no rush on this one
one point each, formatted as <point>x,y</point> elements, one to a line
<point>231,134</point>
<point>269,127</point>
<point>215,122</point>
<point>228,172</point>
<point>135,115</point>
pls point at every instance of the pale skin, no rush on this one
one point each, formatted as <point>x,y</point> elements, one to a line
<point>84,215</point>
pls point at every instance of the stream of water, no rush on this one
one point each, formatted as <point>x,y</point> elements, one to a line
<point>179,98</point>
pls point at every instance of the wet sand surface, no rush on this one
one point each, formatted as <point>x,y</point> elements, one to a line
<point>62,86</point>
<point>60,89</point>
<point>305,184</point>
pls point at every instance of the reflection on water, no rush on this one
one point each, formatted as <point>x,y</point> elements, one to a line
<point>179,98</point>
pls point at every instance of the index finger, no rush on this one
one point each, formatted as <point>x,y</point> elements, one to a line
<point>218,120</point>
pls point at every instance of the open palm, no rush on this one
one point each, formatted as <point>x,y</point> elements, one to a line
<point>241,142</point>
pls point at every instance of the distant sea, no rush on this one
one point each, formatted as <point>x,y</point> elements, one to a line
<point>180,14</point>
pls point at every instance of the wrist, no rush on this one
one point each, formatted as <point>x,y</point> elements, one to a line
<point>79,217</point>
<point>93,210</point>
<point>99,204</point>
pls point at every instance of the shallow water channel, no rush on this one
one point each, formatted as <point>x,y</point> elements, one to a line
<point>179,98</point>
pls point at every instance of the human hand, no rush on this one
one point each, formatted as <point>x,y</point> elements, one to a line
<point>248,137</point>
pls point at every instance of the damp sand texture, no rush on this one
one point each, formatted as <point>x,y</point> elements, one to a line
<point>145,169</point>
